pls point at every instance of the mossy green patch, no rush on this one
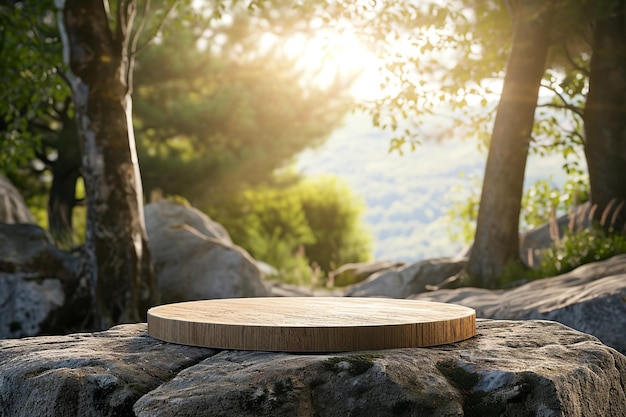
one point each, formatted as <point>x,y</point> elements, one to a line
<point>359,363</point>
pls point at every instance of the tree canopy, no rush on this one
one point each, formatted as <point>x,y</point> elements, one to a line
<point>213,120</point>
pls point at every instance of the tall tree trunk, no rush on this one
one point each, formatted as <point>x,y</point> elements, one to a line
<point>497,230</point>
<point>121,277</point>
<point>605,119</point>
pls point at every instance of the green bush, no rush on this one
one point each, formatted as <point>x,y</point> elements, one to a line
<point>302,227</point>
<point>574,249</point>
<point>578,248</point>
<point>543,200</point>
<point>334,215</point>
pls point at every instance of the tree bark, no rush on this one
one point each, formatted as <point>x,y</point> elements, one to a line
<point>497,230</point>
<point>122,280</point>
<point>605,120</point>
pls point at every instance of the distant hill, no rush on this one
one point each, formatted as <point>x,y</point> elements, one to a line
<point>406,195</point>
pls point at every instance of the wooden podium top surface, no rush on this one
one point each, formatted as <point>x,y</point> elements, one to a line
<point>311,324</point>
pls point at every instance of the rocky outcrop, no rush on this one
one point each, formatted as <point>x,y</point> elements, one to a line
<point>35,277</point>
<point>591,298</point>
<point>89,375</point>
<point>166,212</point>
<point>353,273</point>
<point>194,257</point>
<point>13,209</point>
<point>511,368</point>
<point>405,281</point>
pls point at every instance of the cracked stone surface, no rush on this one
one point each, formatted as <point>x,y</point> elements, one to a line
<point>88,374</point>
<point>511,368</point>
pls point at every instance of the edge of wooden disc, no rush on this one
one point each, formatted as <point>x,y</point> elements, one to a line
<point>311,324</point>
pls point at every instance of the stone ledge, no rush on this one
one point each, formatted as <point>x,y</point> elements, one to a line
<point>511,368</point>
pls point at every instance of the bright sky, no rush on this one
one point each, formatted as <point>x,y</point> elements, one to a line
<point>329,54</point>
<point>343,53</point>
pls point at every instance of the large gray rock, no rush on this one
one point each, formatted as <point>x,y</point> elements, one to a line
<point>171,213</point>
<point>194,257</point>
<point>512,368</point>
<point>87,375</point>
<point>13,209</point>
<point>35,277</point>
<point>404,281</point>
<point>591,298</point>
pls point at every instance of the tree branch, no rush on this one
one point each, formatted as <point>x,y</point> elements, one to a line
<point>577,134</point>
<point>151,38</point>
<point>565,104</point>
<point>126,11</point>
<point>140,28</point>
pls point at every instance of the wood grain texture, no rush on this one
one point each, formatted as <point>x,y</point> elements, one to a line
<point>311,324</point>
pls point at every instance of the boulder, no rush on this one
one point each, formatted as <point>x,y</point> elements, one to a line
<point>166,212</point>
<point>353,273</point>
<point>591,298</point>
<point>405,281</point>
<point>87,375</point>
<point>26,305</point>
<point>13,208</point>
<point>511,368</point>
<point>35,277</point>
<point>194,258</point>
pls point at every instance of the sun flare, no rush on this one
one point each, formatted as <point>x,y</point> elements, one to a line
<point>330,55</point>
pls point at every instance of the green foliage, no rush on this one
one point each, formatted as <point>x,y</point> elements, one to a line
<point>334,214</point>
<point>541,202</point>
<point>211,120</point>
<point>304,228</point>
<point>574,249</point>
<point>581,247</point>
<point>272,226</point>
<point>462,212</point>
<point>30,61</point>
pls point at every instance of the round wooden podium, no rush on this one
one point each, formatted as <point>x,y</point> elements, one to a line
<point>311,324</point>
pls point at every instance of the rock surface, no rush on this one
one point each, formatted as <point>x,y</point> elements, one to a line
<point>13,209</point>
<point>87,375</point>
<point>352,273</point>
<point>591,298</point>
<point>405,281</point>
<point>34,279</point>
<point>194,257</point>
<point>170,213</point>
<point>511,368</point>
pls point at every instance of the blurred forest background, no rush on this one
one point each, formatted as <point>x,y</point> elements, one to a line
<point>227,95</point>
<point>220,113</point>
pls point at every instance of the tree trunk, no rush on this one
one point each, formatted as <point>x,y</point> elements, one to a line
<point>65,174</point>
<point>121,277</point>
<point>497,230</point>
<point>605,120</point>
